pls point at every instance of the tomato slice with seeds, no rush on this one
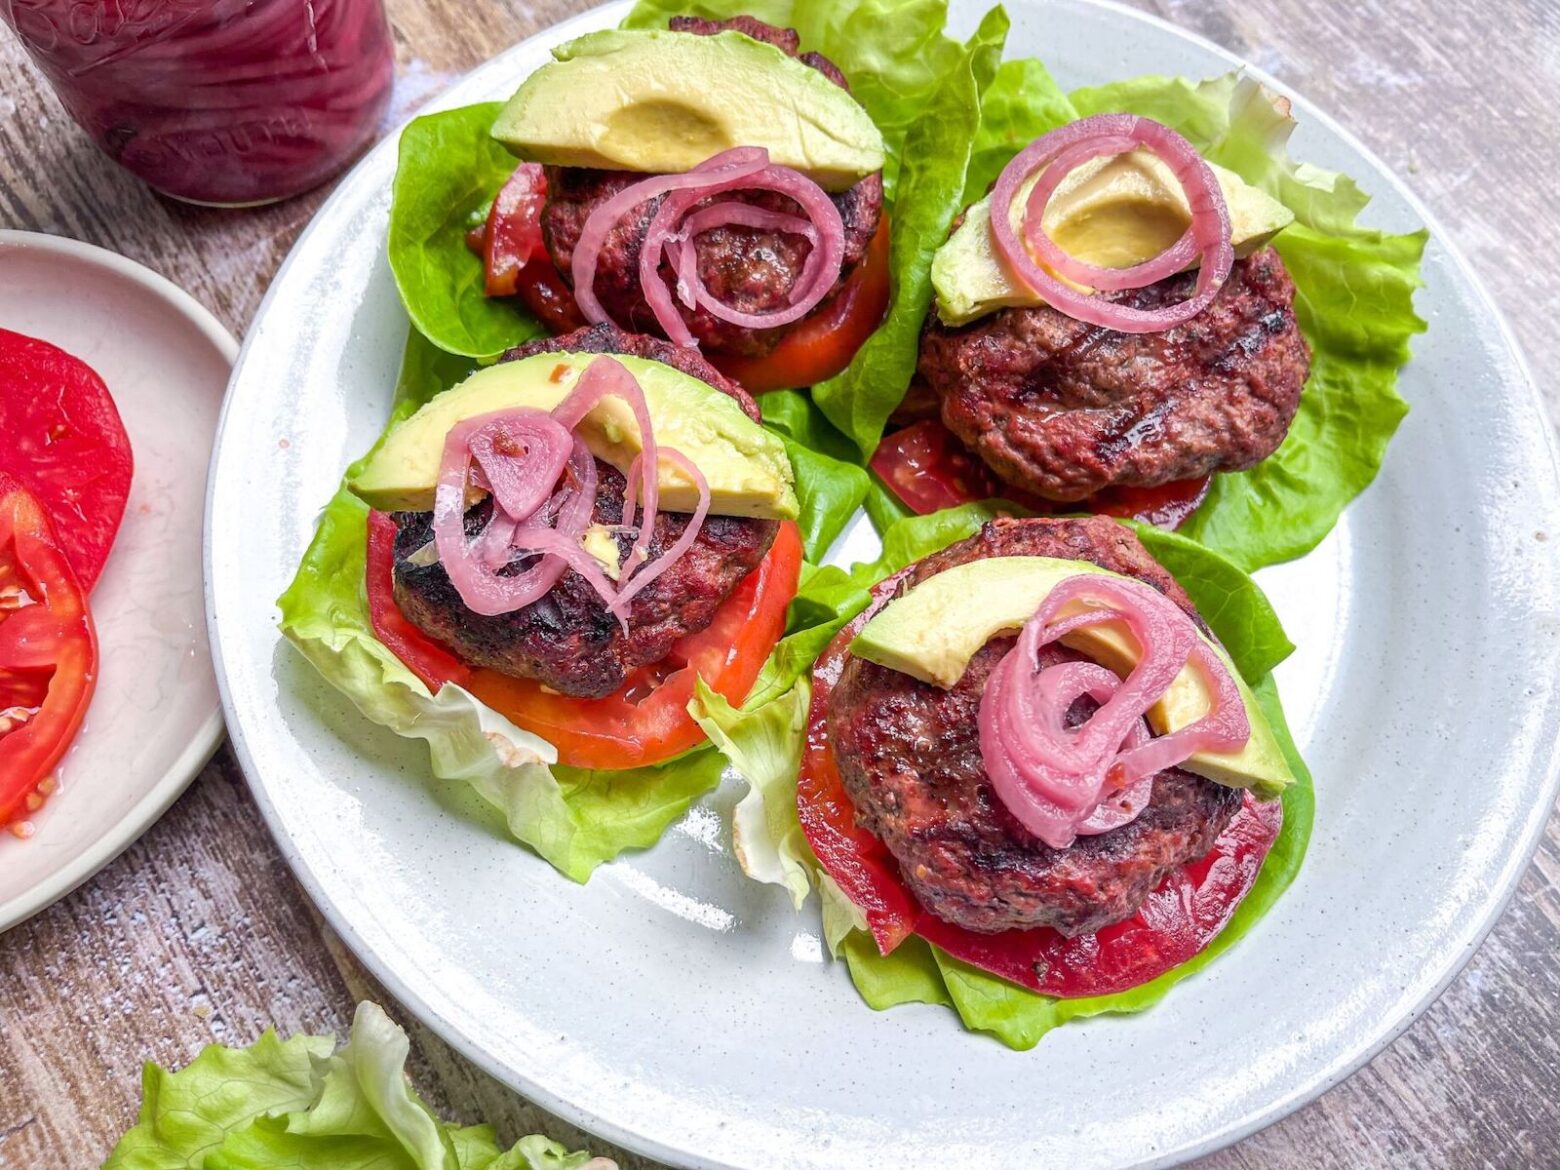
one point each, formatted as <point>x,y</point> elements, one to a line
<point>48,649</point>
<point>61,437</point>
<point>647,720</point>
<point>514,256</point>
<point>1179,919</point>
<point>926,466</point>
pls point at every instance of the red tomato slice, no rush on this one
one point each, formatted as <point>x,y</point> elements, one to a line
<point>647,721</point>
<point>420,654</point>
<point>1177,921</point>
<point>822,344</point>
<point>927,467</point>
<point>48,650</point>
<point>514,229</point>
<point>514,255</point>
<point>61,437</point>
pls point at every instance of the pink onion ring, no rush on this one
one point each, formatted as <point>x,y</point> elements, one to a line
<point>606,377</point>
<point>744,160</point>
<point>1054,778</point>
<point>473,567</point>
<point>672,229</point>
<point>629,589</point>
<point>543,483</point>
<point>1058,153</point>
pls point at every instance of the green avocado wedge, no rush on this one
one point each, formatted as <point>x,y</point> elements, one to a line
<point>744,465</point>
<point>933,631</point>
<point>662,102</point>
<point>1113,212</point>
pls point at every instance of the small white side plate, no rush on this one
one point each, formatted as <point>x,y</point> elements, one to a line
<point>155,718</point>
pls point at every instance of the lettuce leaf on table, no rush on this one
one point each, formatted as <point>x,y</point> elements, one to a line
<point>763,741</point>
<point>298,1103</point>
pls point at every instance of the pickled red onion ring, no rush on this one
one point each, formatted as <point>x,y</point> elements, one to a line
<point>649,572</point>
<point>675,224</point>
<point>1054,156</point>
<point>473,566</point>
<point>606,377</point>
<point>543,483</point>
<point>744,160</point>
<point>1054,778</point>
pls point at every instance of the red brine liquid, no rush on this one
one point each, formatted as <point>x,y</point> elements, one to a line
<point>227,102</point>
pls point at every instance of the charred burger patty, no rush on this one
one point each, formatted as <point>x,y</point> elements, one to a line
<point>1065,409</point>
<point>749,270</point>
<point>909,756</point>
<point>567,640</point>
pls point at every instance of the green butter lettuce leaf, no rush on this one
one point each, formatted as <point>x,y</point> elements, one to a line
<point>765,829</point>
<point>930,194</point>
<point>449,168</point>
<point>829,486</point>
<point>1354,300</point>
<point>755,741</point>
<point>296,1104</point>
<point>1230,602</point>
<point>1022,103</point>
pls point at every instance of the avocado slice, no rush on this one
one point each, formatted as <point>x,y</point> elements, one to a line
<point>1113,212</point>
<point>662,102</point>
<point>933,631</point>
<point>745,465</point>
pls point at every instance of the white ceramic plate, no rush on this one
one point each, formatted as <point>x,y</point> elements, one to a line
<point>155,718</point>
<point>682,1011</point>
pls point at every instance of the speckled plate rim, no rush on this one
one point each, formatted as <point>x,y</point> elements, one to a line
<point>1345,1062</point>
<point>159,796</point>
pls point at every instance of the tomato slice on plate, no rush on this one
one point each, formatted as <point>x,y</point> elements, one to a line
<point>645,722</point>
<point>62,438</point>
<point>514,256</point>
<point>926,466</point>
<point>48,649</point>
<point>1177,921</point>
<point>823,343</point>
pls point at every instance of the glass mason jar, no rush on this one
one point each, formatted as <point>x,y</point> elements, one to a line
<point>224,102</point>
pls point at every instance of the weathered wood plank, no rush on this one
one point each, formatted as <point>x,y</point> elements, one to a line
<point>199,934</point>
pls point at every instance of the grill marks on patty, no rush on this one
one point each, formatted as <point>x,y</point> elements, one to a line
<point>567,640</point>
<point>1065,409</point>
<point>752,271</point>
<point>909,755</point>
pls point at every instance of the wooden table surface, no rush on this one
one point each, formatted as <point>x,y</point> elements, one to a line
<point>199,933</point>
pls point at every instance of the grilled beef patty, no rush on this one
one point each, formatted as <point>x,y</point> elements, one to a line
<point>1065,409</point>
<point>567,640</point>
<point>909,755</point>
<point>750,270</point>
